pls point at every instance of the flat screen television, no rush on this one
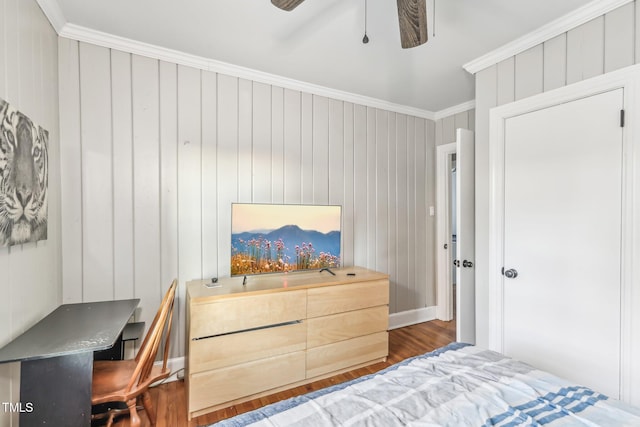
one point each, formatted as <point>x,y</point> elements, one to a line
<point>275,238</point>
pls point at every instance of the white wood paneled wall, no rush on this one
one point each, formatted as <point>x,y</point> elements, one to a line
<point>446,126</point>
<point>155,153</point>
<point>30,278</point>
<point>604,44</point>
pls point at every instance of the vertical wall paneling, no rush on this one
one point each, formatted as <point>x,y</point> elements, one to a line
<point>618,37</point>
<point>5,285</point>
<point>637,32</point>
<point>30,274</point>
<point>320,150</point>
<point>555,62</point>
<point>12,33</point>
<point>181,145</point>
<point>277,144</point>
<point>430,176</point>
<point>472,119</point>
<point>97,172</point>
<point>370,159</point>
<point>585,47</point>
<point>506,81</point>
<point>209,117</point>
<point>529,68</point>
<point>439,135</point>
<point>70,170</point>
<point>421,212</point>
<point>382,191</point>
<point>245,141</point>
<point>5,288</point>
<point>360,185</point>
<point>26,54</point>
<point>411,210</point>
<point>190,163</point>
<point>461,120</point>
<point>336,153</point>
<point>392,210</point>
<point>227,166</point>
<point>168,88</point>
<point>292,147</point>
<point>146,184</point>
<point>190,214</point>
<point>349,191</point>
<point>448,129</point>
<point>306,138</point>
<point>402,215</point>
<point>3,49</point>
<point>261,138</point>
<point>122,174</point>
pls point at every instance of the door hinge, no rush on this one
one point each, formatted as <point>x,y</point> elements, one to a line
<point>621,118</point>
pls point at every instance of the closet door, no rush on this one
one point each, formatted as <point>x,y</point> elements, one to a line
<point>562,235</point>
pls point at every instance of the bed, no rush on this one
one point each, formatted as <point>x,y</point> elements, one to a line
<point>457,385</point>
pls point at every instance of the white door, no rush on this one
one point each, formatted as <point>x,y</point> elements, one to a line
<point>465,237</point>
<point>562,238</point>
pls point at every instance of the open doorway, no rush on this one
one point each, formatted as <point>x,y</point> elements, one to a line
<point>446,228</point>
<point>455,195</point>
<point>453,228</point>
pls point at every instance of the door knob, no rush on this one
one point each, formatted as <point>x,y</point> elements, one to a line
<point>511,273</point>
<point>466,263</point>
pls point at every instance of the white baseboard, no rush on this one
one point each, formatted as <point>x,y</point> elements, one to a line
<point>411,317</point>
<point>176,366</point>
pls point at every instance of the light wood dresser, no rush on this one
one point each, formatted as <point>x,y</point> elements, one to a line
<point>279,331</point>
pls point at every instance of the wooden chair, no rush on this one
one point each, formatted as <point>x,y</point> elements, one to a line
<point>127,381</point>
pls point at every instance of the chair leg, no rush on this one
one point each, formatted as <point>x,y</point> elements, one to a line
<point>133,413</point>
<point>148,407</point>
<point>110,419</point>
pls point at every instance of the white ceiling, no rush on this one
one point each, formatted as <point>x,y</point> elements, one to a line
<point>320,42</point>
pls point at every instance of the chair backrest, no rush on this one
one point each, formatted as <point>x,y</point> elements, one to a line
<point>148,351</point>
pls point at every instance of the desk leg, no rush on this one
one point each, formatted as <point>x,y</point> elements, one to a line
<point>58,389</point>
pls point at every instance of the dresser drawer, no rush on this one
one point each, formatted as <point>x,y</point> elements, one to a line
<point>344,354</point>
<point>342,326</point>
<point>247,312</point>
<point>233,349</point>
<point>218,386</point>
<point>353,296</point>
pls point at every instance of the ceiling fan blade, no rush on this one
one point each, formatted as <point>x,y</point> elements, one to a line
<point>412,15</point>
<point>287,5</point>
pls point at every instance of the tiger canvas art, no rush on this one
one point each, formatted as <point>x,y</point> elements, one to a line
<point>23,178</point>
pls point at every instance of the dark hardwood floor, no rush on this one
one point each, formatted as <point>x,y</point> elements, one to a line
<point>170,399</point>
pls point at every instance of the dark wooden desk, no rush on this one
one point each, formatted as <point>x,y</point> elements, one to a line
<point>56,357</point>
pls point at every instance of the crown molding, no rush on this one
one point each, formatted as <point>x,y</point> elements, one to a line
<point>83,34</point>
<point>554,28</point>
<point>460,108</point>
<point>53,12</point>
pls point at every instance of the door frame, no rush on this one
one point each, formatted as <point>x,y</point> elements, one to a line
<point>444,308</point>
<point>629,80</point>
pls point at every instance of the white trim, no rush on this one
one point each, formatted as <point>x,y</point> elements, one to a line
<point>629,79</point>
<point>411,317</point>
<point>83,34</point>
<point>444,258</point>
<point>53,12</point>
<point>460,108</point>
<point>554,28</point>
<point>176,367</point>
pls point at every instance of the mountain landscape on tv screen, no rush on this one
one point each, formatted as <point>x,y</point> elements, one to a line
<point>287,248</point>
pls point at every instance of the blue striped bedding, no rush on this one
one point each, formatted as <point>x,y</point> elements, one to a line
<point>457,385</point>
